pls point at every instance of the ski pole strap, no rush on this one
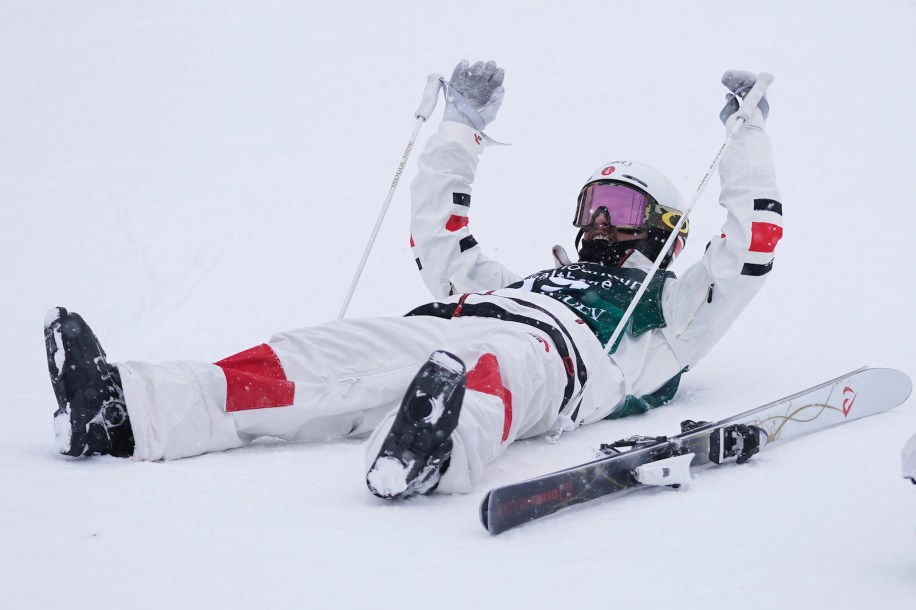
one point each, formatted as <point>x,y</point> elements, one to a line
<point>753,97</point>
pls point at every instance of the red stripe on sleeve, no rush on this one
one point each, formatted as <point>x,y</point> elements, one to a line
<point>255,380</point>
<point>456,222</point>
<point>764,236</point>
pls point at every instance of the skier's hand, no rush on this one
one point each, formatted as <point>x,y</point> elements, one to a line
<point>475,93</point>
<point>739,83</point>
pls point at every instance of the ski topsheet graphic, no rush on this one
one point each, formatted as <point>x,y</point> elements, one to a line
<point>639,462</point>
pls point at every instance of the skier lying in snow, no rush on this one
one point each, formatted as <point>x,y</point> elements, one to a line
<point>529,343</point>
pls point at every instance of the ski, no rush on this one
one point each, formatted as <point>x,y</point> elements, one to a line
<point>640,462</point>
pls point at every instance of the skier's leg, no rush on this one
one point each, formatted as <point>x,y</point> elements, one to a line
<point>418,444</point>
<point>330,381</point>
<point>515,385</point>
<point>91,418</point>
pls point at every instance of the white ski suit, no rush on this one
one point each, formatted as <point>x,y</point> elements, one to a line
<point>526,352</point>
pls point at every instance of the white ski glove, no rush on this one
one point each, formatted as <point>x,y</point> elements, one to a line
<point>474,94</point>
<point>739,83</point>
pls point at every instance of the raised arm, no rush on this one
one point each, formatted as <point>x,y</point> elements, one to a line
<point>449,258</point>
<point>703,303</point>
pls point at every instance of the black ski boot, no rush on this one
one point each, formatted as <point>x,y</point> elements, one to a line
<point>416,451</point>
<point>91,418</point>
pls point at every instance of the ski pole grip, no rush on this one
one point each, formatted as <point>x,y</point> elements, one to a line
<point>430,96</point>
<point>764,80</point>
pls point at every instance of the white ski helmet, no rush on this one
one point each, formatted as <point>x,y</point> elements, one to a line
<point>657,204</point>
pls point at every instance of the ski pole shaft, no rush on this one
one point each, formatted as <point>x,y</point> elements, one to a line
<point>747,107</point>
<point>424,110</point>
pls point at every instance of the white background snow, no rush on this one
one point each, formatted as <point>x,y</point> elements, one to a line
<point>194,176</point>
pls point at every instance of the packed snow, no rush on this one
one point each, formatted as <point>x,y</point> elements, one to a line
<point>448,362</point>
<point>194,176</point>
<point>388,476</point>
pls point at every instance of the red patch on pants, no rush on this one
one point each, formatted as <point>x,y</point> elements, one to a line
<point>255,380</point>
<point>486,378</point>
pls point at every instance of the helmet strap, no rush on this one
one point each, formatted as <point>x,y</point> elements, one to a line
<point>579,238</point>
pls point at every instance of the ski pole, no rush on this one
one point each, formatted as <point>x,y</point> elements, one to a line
<point>426,107</point>
<point>764,79</point>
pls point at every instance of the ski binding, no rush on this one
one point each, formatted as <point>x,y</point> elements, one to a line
<point>672,471</point>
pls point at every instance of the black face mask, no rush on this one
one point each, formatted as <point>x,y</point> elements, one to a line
<point>606,252</point>
<point>614,253</point>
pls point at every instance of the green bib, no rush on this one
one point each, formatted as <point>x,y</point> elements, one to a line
<point>634,405</point>
<point>599,295</point>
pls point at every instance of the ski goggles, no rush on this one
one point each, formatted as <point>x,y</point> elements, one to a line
<point>626,207</point>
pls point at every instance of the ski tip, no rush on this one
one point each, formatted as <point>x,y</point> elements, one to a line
<point>908,385</point>
<point>493,523</point>
<point>485,512</point>
<point>895,385</point>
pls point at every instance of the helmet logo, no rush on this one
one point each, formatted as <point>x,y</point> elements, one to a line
<point>607,171</point>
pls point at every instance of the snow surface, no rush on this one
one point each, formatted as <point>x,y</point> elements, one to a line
<point>194,176</point>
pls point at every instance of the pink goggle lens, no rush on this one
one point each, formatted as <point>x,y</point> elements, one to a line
<point>627,207</point>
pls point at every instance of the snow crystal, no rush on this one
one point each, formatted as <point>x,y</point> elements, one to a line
<point>447,361</point>
<point>438,409</point>
<point>62,430</point>
<point>388,476</point>
<point>52,315</point>
<point>59,352</point>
